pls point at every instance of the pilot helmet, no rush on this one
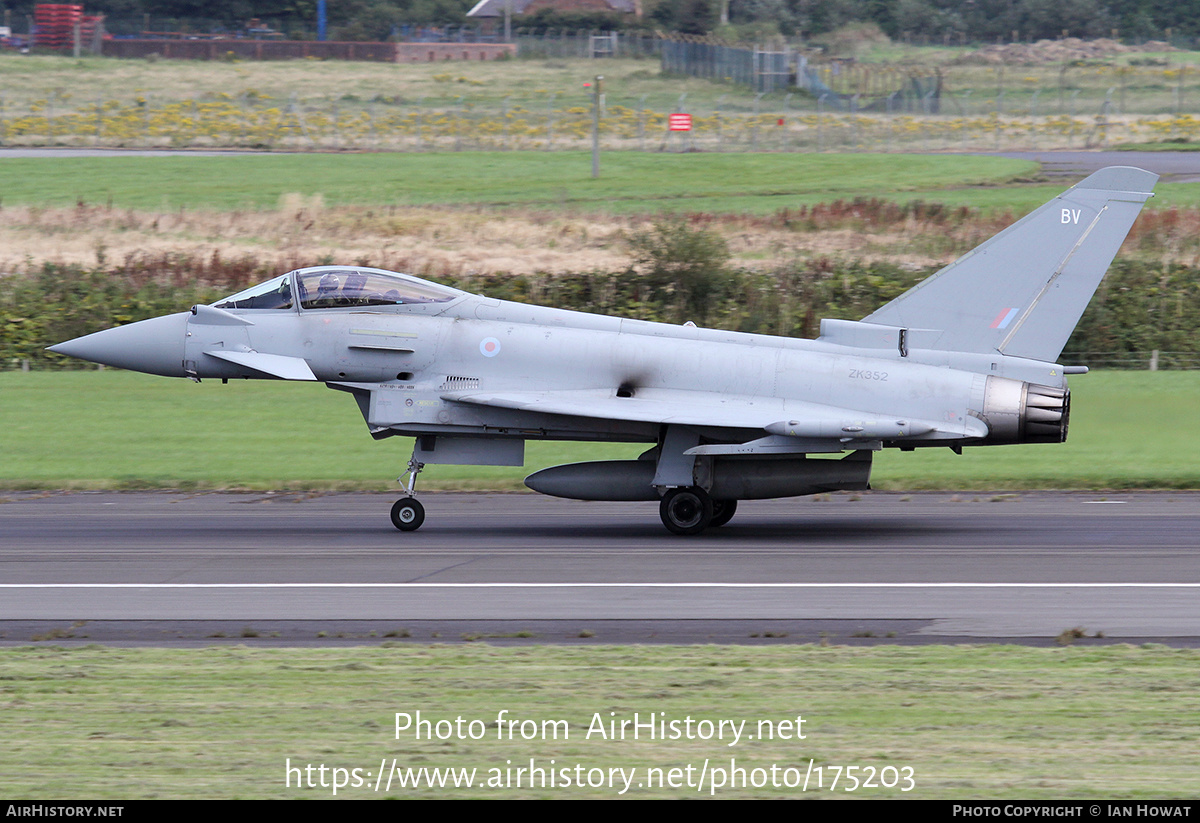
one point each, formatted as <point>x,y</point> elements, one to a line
<point>329,283</point>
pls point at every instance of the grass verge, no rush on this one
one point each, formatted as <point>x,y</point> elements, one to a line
<point>970,722</point>
<point>114,430</point>
<point>629,181</point>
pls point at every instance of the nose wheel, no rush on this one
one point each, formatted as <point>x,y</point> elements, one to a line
<point>407,513</point>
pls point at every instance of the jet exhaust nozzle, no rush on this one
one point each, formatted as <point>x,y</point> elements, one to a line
<point>1019,412</point>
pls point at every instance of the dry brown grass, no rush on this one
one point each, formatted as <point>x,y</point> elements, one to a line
<point>436,242</point>
<point>450,242</point>
<point>68,83</point>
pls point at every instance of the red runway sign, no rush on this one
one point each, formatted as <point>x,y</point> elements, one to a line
<point>679,122</point>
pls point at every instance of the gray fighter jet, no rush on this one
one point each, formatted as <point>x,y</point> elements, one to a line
<point>967,357</point>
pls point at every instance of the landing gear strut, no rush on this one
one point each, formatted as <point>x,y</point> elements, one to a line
<point>686,510</point>
<point>407,513</point>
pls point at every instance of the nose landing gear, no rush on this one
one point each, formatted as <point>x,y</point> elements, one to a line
<point>407,513</point>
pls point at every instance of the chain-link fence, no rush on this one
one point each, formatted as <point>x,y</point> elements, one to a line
<point>548,121</point>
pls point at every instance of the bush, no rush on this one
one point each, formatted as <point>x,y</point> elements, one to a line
<point>682,273</point>
<point>683,266</point>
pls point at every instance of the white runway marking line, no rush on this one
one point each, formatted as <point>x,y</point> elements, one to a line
<point>599,585</point>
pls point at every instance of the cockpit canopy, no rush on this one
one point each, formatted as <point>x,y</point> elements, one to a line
<point>331,287</point>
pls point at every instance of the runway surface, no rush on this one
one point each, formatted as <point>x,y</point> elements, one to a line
<point>176,567</point>
<point>1171,166</point>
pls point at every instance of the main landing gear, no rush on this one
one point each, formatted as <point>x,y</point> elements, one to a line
<point>407,513</point>
<point>723,511</point>
<point>689,510</point>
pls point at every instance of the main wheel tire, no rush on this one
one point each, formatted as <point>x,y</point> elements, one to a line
<point>686,510</point>
<point>722,512</point>
<point>407,514</point>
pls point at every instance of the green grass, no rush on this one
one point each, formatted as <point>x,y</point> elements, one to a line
<point>629,181</point>
<point>138,431</point>
<point>110,429</point>
<point>1124,433</point>
<point>971,722</point>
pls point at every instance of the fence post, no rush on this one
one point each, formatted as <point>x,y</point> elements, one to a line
<point>787,101</point>
<point>1033,131</point>
<point>421,133</point>
<point>690,141</point>
<point>336,131</point>
<point>720,123</point>
<point>295,107</point>
<point>754,130</point>
<point>504,120</point>
<point>1154,360</point>
<point>642,122</point>
<point>854,144</point>
<point>596,97</point>
<point>458,126</point>
<point>821,122</point>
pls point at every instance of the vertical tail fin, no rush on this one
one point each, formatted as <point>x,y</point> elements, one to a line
<point>1022,292</point>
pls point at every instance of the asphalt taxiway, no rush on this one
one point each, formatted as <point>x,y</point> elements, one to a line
<point>1171,166</point>
<point>914,567</point>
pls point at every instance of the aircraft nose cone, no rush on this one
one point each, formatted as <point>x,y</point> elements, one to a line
<point>153,346</point>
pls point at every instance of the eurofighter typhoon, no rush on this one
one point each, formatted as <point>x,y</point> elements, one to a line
<point>968,357</point>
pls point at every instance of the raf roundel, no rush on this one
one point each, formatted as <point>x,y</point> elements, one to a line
<point>489,347</point>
